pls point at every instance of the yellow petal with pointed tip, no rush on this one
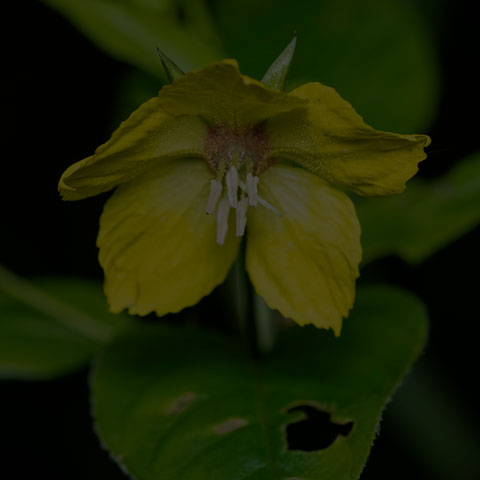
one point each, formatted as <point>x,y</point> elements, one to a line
<point>150,135</point>
<point>157,246</point>
<point>330,139</point>
<point>304,261</point>
<point>221,95</point>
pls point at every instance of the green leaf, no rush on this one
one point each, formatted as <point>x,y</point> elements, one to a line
<point>131,31</point>
<point>177,403</point>
<point>378,55</point>
<point>53,327</point>
<point>425,218</point>
<point>276,76</point>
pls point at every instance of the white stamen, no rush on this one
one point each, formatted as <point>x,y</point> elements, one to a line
<point>261,201</point>
<point>215,192</point>
<point>241,217</point>
<point>222,220</point>
<point>232,185</point>
<point>252,182</point>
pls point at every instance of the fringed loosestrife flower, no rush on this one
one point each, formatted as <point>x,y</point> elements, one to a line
<point>217,156</point>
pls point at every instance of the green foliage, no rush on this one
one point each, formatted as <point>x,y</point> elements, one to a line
<point>132,30</point>
<point>178,403</point>
<point>182,403</point>
<point>425,218</point>
<point>377,54</point>
<point>52,328</point>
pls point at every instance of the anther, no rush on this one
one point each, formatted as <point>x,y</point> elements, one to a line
<point>222,220</point>
<point>252,192</point>
<point>241,217</point>
<point>215,192</point>
<point>232,185</point>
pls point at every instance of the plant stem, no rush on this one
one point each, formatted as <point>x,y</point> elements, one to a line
<point>254,318</point>
<point>264,318</point>
<point>251,331</point>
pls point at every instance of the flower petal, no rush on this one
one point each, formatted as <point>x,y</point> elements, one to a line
<point>221,95</point>
<point>330,139</point>
<point>149,135</point>
<point>304,261</point>
<point>157,246</point>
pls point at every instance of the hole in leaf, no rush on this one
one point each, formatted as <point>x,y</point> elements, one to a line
<point>316,431</point>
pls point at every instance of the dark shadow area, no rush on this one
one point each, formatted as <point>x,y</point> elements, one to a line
<point>180,11</point>
<point>316,432</point>
<point>47,428</point>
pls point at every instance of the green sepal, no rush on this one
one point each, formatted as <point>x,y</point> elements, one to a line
<point>276,75</point>
<point>172,70</point>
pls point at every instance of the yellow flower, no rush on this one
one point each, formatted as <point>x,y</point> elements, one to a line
<point>217,152</point>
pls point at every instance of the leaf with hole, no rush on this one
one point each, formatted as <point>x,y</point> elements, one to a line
<point>183,404</point>
<point>426,217</point>
<point>51,327</point>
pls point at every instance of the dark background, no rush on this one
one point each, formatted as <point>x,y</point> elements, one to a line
<point>59,90</point>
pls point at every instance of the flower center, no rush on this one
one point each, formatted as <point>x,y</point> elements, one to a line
<point>236,156</point>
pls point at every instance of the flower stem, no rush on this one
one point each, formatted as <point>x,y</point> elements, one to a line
<point>264,318</point>
<point>254,318</point>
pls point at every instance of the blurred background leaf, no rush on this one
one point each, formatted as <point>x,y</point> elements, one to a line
<point>442,437</point>
<point>130,30</point>
<point>425,218</point>
<point>51,327</point>
<point>172,402</point>
<point>378,54</point>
